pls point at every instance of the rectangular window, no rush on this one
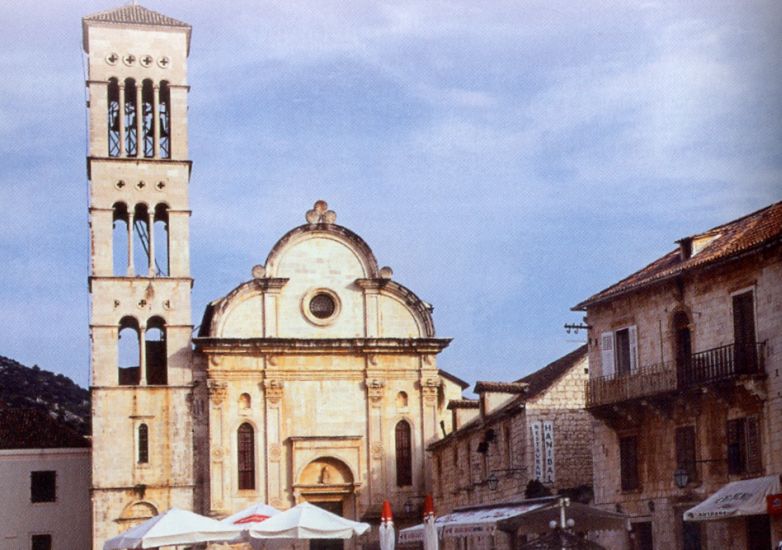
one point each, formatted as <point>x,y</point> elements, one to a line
<point>744,452</point>
<point>619,351</point>
<point>628,461</point>
<point>41,542</point>
<point>685,451</point>
<point>43,486</point>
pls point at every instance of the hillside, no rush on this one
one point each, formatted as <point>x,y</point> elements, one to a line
<point>55,394</point>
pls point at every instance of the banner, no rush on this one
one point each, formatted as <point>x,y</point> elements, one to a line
<point>537,449</point>
<point>549,473</point>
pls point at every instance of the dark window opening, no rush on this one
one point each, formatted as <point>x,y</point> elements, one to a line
<point>322,306</point>
<point>623,351</point>
<point>43,486</point>
<point>148,118</point>
<point>156,353</point>
<point>404,455</point>
<point>681,327</point>
<point>744,452</point>
<point>691,535</point>
<point>131,112</point>
<point>119,241</point>
<point>113,117</point>
<point>246,456</point>
<point>162,241</point>
<point>746,359</point>
<point>685,451</point>
<point>628,459</point>
<point>128,352</point>
<point>41,542</point>
<point>164,107</point>
<point>143,444</point>
<point>642,535</point>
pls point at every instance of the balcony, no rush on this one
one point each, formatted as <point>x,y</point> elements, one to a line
<point>705,367</point>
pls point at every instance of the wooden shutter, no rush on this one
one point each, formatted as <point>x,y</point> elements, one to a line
<point>628,460</point>
<point>633,336</point>
<point>685,451</point>
<point>607,353</point>
<point>246,456</point>
<point>735,437</point>
<point>753,448</point>
<point>404,454</point>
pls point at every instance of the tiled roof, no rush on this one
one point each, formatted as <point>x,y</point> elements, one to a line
<point>133,14</point>
<point>499,387</point>
<point>463,404</point>
<point>723,243</point>
<point>34,429</point>
<point>541,380</point>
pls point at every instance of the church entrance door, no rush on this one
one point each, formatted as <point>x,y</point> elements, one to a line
<point>335,507</point>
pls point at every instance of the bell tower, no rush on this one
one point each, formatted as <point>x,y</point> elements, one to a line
<point>139,282</point>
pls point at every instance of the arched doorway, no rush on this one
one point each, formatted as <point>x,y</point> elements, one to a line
<point>328,482</point>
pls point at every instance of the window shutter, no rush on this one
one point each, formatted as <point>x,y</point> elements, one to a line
<point>754,461</point>
<point>633,334</point>
<point>735,433</point>
<point>607,353</point>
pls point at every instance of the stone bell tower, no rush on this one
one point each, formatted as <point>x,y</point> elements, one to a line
<point>140,318</point>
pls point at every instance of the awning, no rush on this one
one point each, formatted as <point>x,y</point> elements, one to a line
<point>531,516</point>
<point>738,498</point>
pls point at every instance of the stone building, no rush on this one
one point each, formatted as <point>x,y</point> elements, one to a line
<point>45,476</point>
<point>317,379</point>
<point>685,358</point>
<point>536,428</point>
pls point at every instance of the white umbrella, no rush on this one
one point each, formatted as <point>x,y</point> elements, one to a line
<point>387,535</point>
<point>430,531</point>
<point>306,521</point>
<point>251,516</point>
<point>174,527</point>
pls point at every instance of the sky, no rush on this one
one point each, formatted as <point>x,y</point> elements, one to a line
<point>506,159</point>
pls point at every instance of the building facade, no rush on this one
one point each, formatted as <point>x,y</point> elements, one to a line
<point>140,318</point>
<point>533,430</point>
<point>315,380</point>
<point>45,476</point>
<point>684,379</point>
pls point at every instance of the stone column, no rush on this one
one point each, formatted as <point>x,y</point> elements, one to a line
<point>139,122</point>
<point>217,393</point>
<point>142,362</point>
<point>121,118</point>
<point>156,121</point>
<point>273,392</point>
<point>151,234</point>
<point>131,213</point>
<point>375,392</point>
<point>430,385</point>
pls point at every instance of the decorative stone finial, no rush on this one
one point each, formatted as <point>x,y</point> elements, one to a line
<point>320,213</point>
<point>386,272</point>
<point>259,272</point>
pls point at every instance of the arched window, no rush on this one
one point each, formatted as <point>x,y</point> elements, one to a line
<point>119,241</point>
<point>141,260</point>
<point>164,119</point>
<point>148,118</point>
<point>404,454</point>
<point>128,352</point>
<point>162,266</point>
<point>143,444</point>
<point>401,400</point>
<point>246,456</point>
<point>113,117</point>
<point>131,111</point>
<point>155,346</point>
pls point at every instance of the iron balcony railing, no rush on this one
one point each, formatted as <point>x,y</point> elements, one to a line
<point>704,367</point>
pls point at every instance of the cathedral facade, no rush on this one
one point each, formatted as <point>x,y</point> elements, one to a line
<point>314,380</point>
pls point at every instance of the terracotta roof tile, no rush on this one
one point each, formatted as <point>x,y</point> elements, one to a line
<point>135,15</point>
<point>541,380</point>
<point>499,387</point>
<point>463,404</point>
<point>34,429</point>
<point>721,243</point>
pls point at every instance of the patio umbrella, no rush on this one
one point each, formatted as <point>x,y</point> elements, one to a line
<point>250,516</point>
<point>171,528</point>
<point>306,521</point>
<point>387,535</point>
<point>431,541</point>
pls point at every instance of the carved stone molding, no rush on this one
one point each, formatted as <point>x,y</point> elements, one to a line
<point>375,389</point>
<point>275,452</point>
<point>429,389</point>
<point>217,391</point>
<point>217,455</point>
<point>273,389</point>
<point>377,450</point>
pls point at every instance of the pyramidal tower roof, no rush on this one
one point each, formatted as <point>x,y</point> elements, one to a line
<point>133,14</point>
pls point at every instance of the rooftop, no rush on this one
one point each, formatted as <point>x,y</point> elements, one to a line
<point>23,428</point>
<point>713,247</point>
<point>133,14</point>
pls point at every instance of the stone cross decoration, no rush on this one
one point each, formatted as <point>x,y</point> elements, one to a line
<point>320,213</point>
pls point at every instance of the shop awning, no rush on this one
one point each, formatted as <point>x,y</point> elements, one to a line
<point>524,516</point>
<point>738,498</point>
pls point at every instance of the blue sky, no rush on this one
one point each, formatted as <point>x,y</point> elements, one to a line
<point>506,159</point>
